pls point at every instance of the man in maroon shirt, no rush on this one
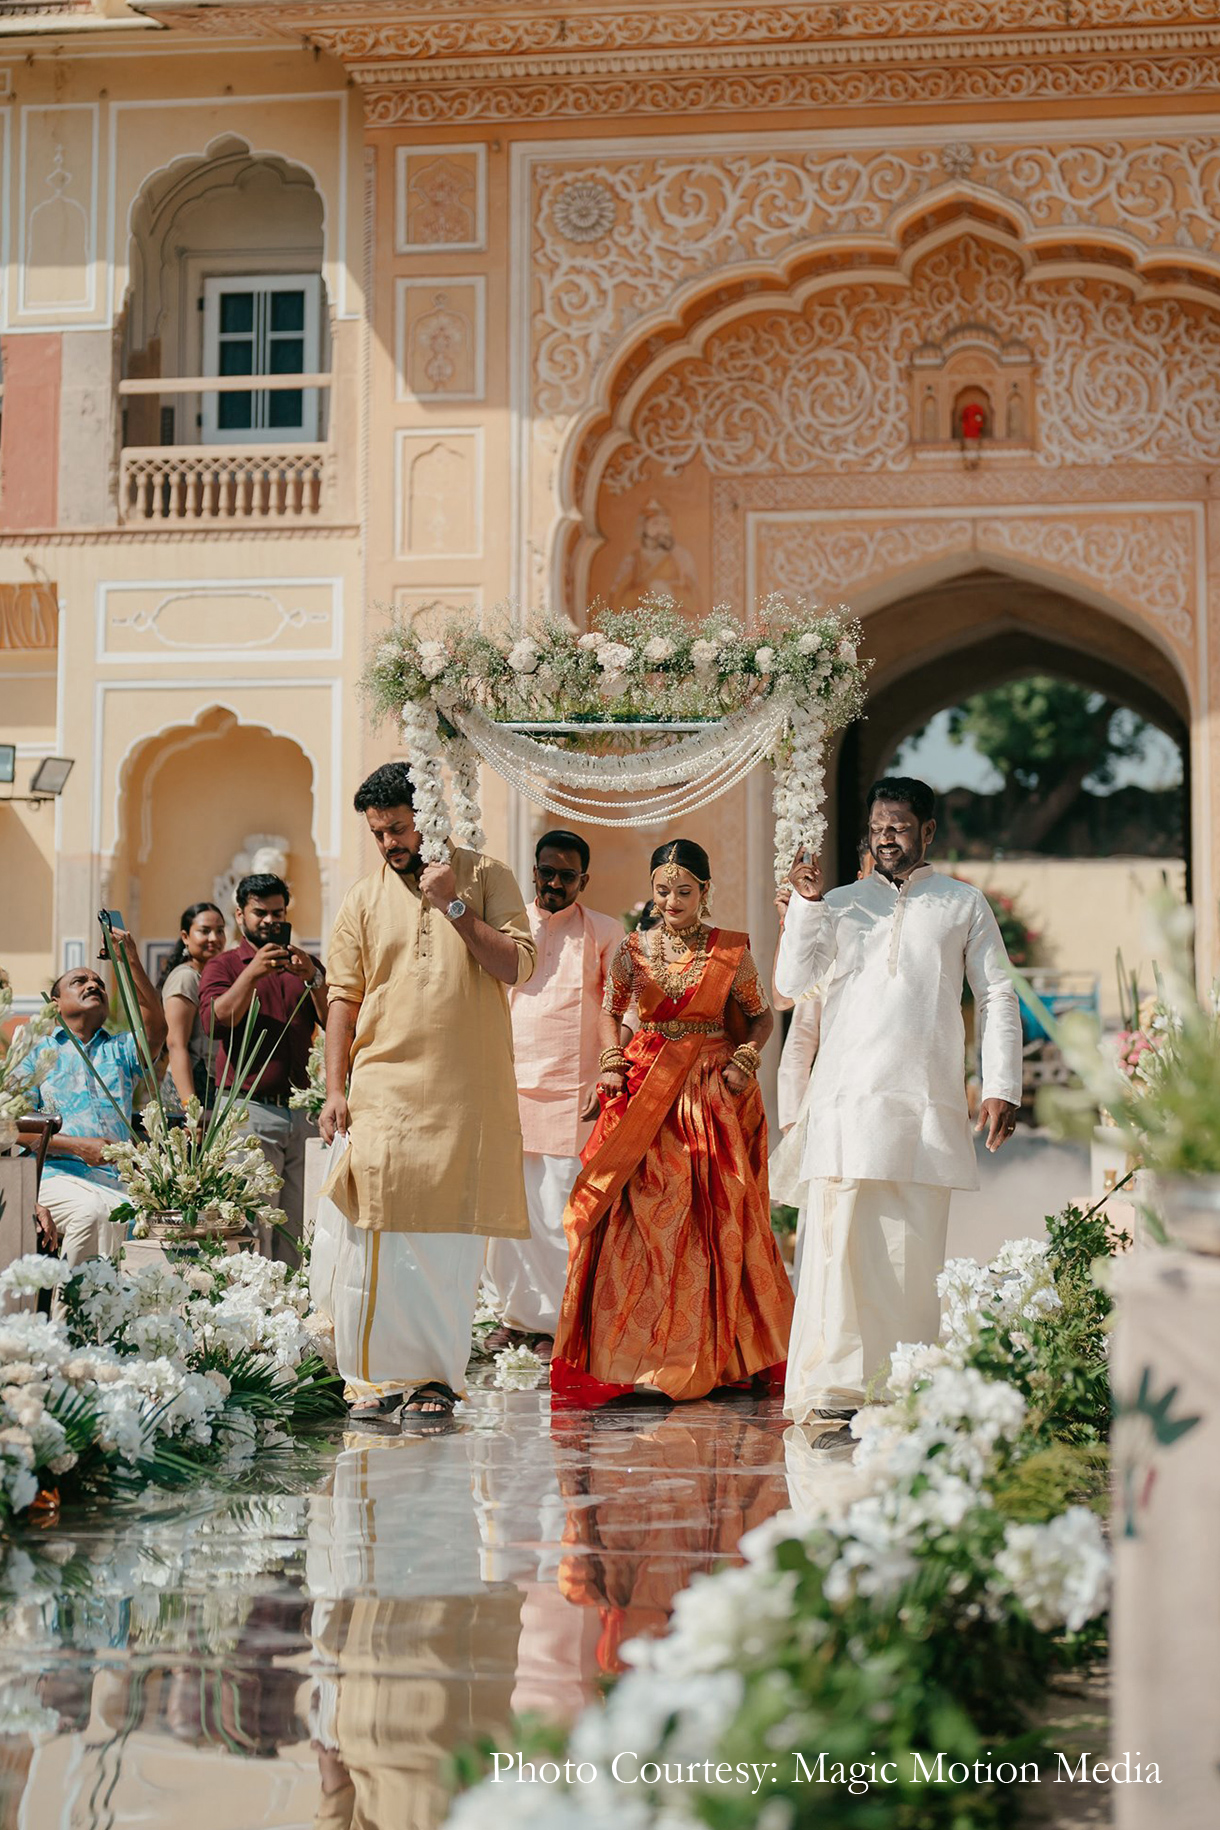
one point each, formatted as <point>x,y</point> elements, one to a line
<point>288,991</point>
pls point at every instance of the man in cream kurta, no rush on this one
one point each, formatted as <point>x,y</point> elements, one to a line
<point>420,959</point>
<point>555,1041</point>
<point>889,1132</point>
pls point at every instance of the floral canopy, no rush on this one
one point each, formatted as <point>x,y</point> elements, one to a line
<point>719,696</point>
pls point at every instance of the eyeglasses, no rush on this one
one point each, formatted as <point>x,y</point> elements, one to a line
<point>564,877</point>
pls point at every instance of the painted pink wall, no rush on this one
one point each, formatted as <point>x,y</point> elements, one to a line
<point>29,443</point>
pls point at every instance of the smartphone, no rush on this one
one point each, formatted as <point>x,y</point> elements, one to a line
<point>112,918</point>
<point>280,935</point>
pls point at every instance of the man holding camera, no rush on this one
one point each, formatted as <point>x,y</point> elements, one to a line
<point>287,988</point>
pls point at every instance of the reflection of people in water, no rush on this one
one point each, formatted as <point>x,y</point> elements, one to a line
<point>698,1480</point>
<point>657,563</point>
<point>416,1641</point>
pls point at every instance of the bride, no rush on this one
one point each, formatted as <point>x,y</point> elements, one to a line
<point>675,1283</point>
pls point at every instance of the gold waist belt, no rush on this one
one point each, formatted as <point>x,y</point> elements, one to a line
<point>674,1031</point>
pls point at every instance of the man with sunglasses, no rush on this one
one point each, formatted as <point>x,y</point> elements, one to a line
<point>555,1043</point>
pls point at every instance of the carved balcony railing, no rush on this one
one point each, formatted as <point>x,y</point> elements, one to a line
<point>225,485</point>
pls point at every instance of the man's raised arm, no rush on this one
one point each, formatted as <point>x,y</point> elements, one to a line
<point>807,945</point>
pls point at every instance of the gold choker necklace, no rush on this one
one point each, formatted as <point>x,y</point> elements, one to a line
<point>673,979</point>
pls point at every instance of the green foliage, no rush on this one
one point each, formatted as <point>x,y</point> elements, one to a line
<point>1034,730</point>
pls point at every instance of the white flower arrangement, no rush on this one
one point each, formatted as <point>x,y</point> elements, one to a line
<point>649,664</point>
<point>185,1169</point>
<point>312,1097</point>
<point>517,1369</point>
<point>140,1363</point>
<point>19,1074</point>
<point>910,1529</point>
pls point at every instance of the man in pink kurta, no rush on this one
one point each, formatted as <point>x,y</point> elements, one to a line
<point>555,1042</point>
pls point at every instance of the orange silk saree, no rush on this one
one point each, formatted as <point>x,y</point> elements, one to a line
<point>675,1283</point>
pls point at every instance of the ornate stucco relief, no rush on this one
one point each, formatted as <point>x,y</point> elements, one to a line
<point>827,388</point>
<point>668,220</point>
<point>1144,559</point>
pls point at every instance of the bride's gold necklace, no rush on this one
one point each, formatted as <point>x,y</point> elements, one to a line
<point>673,978</point>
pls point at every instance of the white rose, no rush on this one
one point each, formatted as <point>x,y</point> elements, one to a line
<point>728,635</point>
<point>659,649</point>
<point>703,656</point>
<point>847,651</point>
<point>810,642</point>
<point>432,659</point>
<point>614,656</point>
<point>764,659</point>
<point>593,640</point>
<point>523,656</point>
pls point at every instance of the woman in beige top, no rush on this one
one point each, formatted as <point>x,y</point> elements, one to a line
<point>190,1074</point>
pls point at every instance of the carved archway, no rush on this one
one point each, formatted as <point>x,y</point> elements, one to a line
<point>938,643</point>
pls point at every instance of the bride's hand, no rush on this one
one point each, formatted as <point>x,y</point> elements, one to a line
<point>734,1079</point>
<point>612,1085</point>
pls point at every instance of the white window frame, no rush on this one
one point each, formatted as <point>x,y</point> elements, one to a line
<point>215,287</point>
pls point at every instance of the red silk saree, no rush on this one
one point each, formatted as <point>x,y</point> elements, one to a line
<point>675,1282</point>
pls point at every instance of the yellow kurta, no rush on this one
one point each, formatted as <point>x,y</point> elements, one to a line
<point>435,1133</point>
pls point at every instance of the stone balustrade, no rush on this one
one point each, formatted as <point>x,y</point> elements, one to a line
<point>225,484</point>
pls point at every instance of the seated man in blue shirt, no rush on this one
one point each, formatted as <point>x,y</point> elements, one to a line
<point>79,1187</point>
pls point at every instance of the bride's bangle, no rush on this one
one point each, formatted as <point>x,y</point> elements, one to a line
<point>612,1061</point>
<point>747,1058</point>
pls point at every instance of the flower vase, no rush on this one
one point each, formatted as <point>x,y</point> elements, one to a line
<point>204,1223</point>
<point>1188,1208</point>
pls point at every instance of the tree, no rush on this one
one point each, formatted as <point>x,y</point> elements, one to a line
<point>1047,738</point>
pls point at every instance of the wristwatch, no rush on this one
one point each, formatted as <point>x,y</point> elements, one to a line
<point>456,909</point>
<point>318,980</point>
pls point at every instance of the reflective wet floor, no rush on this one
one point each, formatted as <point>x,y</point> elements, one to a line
<point>315,1647</point>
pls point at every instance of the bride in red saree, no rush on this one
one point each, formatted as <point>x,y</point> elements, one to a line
<point>675,1283</point>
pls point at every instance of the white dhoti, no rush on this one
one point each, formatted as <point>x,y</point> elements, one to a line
<point>527,1276</point>
<point>402,1304</point>
<point>871,1257</point>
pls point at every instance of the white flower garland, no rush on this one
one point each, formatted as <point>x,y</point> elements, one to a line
<point>800,786</point>
<point>424,758</point>
<point>467,813</point>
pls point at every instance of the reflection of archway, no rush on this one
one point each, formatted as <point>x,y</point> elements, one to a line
<point>940,643</point>
<point>188,797</point>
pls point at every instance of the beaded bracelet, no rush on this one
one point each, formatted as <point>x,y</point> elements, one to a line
<point>747,1058</point>
<point>612,1061</point>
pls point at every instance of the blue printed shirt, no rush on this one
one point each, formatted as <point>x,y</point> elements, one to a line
<point>71,1090</point>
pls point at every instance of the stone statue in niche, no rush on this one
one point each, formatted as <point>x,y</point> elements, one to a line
<point>261,851</point>
<point>656,563</point>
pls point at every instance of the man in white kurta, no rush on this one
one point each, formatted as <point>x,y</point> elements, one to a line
<point>889,1131</point>
<point>554,1016</point>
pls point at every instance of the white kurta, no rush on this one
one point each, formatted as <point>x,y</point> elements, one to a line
<point>888,1100</point>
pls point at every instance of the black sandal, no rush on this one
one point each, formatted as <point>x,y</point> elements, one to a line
<point>374,1411</point>
<point>434,1392</point>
